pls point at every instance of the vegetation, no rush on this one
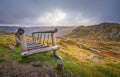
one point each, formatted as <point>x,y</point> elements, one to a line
<point>1,59</point>
<point>103,31</point>
<point>79,60</point>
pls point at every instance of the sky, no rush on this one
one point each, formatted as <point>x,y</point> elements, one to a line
<point>59,12</point>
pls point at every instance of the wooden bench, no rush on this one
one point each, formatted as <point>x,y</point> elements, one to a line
<point>42,41</point>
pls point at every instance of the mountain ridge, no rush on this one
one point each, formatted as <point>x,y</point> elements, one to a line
<point>100,31</point>
<point>61,30</point>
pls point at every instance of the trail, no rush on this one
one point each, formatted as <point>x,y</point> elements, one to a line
<point>14,69</point>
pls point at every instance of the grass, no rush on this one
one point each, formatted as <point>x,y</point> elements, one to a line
<point>1,59</point>
<point>76,60</point>
<point>116,65</point>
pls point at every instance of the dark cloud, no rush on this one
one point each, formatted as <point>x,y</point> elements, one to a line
<point>72,11</point>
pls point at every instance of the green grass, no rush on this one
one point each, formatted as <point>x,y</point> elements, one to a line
<point>114,65</point>
<point>1,59</point>
<point>73,65</point>
<point>105,71</point>
<point>82,69</point>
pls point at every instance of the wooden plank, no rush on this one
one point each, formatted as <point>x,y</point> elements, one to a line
<point>48,31</point>
<point>17,40</point>
<point>33,38</point>
<point>31,48</point>
<point>22,39</point>
<point>53,42</point>
<point>60,65</point>
<point>34,45</point>
<point>30,42</point>
<point>35,51</point>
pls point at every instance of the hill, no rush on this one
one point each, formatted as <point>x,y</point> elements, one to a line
<point>28,30</point>
<point>100,32</point>
<point>82,57</point>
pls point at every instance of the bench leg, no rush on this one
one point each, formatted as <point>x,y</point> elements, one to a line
<point>55,55</point>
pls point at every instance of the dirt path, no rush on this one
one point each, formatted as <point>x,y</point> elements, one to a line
<point>14,69</point>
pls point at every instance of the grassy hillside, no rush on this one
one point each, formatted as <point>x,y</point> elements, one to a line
<point>79,56</point>
<point>103,31</point>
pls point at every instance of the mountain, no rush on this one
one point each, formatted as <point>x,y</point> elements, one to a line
<point>28,30</point>
<point>100,31</point>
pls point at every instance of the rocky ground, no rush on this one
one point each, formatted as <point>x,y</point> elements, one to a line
<point>15,69</point>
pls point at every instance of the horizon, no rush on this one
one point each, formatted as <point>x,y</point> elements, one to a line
<point>13,25</point>
<point>58,13</point>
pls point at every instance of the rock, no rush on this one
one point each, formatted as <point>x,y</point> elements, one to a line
<point>115,53</point>
<point>49,71</point>
<point>64,75</point>
<point>114,61</point>
<point>93,49</point>
<point>81,46</point>
<point>115,33</point>
<point>11,46</point>
<point>118,56</point>
<point>92,56</point>
<point>95,58</point>
<point>36,63</point>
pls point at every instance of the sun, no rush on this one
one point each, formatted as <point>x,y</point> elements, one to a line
<point>55,17</point>
<point>59,15</point>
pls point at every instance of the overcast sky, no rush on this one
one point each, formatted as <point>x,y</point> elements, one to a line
<point>59,12</point>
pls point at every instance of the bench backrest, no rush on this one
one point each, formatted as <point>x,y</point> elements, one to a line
<point>40,36</point>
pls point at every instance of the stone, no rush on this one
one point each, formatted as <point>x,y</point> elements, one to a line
<point>93,49</point>
<point>92,56</point>
<point>11,46</point>
<point>118,56</point>
<point>65,75</point>
<point>81,46</point>
<point>36,63</point>
<point>114,60</point>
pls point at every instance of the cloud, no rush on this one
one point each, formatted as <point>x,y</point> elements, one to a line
<point>59,12</point>
<point>61,18</point>
<point>52,18</point>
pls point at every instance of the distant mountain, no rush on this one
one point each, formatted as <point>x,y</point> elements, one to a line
<point>100,31</point>
<point>28,30</point>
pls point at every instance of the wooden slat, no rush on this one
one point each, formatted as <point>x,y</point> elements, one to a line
<point>21,36</point>
<point>33,43</point>
<point>30,52</point>
<point>37,47</point>
<point>29,42</point>
<point>40,45</point>
<point>53,43</point>
<point>49,31</point>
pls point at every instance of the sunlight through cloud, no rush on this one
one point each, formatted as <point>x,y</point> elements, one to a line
<point>62,18</point>
<point>52,18</point>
